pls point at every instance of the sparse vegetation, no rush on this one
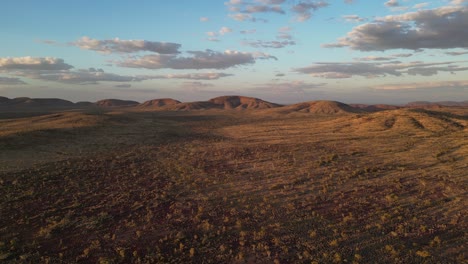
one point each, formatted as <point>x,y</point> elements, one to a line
<point>223,187</point>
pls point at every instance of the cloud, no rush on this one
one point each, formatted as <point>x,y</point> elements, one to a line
<point>337,70</point>
<point>458,2</point>
<point>456,53</point>
<point>392,3</point>
<point>349,1</point>
<point>246,17</point>
<point>249,31</point>
<point>196,86</point>
<point>249,9</point>
<point>207,59</point>
<point>420,5</point>
<point>425,85</point>
<point>11,81</point>
<point>191,76</point>
<point>304,9</point>
<point>33,63</point>
<point>269,44</point>
<point>384,58</point>
<point>440,28</point>
<point>295,85</point>
<point>402,55</point>
<point>125,85</point>
<point>271,2</point>
<point>126,46</point>
<point>82,76</point>
<point>225,30</point>
<point>204,19</point>
<point>353,18</point>
<point>284,33</point>
<point>374,58</point>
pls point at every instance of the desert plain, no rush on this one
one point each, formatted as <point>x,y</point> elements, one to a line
<point>232,180</point>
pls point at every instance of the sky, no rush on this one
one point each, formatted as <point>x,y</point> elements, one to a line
<point>283,51</point>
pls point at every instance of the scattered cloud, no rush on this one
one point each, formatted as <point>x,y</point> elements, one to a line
<point>425,85</point>
<point>225,30</point>
<point>294,85</point>
<point>269,44</point>
<point>207,59</point>
<point>353,18</point>
<point>440,28</point>
<point>124,85</point>
<point>126,46</point>
<point>196,86</point>
<point>33,63</point>
<point>304,9</point>
<point>337,70</point>
<point>250,9</point>
<point>458,2</point>
<point>191,76</point>
<point>11,81</point>
<point>402,55</point>
<point>82,76</point>
<point>204,19</point>
<point>384,58</point>
<point>249,31</point>
<point>284,33</point>
<point>392,3</point>
<point>456,53</point>
<point>420,5</point>
<point>374,58</point>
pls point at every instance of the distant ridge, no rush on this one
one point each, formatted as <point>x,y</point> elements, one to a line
<point>375,107</point>
<point>425,104</point>
<point>156,103</point>
<point>229,102</point>
<point>232,102</point>
<point>116,103</point>
<point>26,102</point>
<point>242,102</point>
<point>319,107</point>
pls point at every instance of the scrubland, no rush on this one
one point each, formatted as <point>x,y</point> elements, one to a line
<point>262,186</point>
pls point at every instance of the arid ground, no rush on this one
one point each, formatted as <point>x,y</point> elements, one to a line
<point>286,184</point>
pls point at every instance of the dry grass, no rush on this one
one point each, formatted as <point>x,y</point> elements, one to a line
<point>230,187</point>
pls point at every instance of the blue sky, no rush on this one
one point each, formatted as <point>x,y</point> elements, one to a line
<point>284,51</point>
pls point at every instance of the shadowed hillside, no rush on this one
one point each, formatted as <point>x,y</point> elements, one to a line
<point>116,103</point>
<point>317,107</point>
<point>156,103</point>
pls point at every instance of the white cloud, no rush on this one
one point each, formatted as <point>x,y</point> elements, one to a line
<point>126,46</point>
<point>332,70</point>
<point>225,30</point>
<point>204,19</point>
<point>82,76</point>
<point>420,5</point>
<point>392,3</point>
<point>33,63</point>
<point>208,59</point>
<point>440,28</point>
